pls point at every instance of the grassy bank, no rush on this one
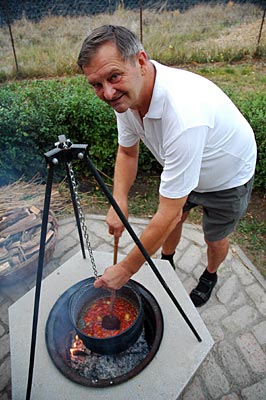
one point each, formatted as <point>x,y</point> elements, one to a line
<point>202,34</point>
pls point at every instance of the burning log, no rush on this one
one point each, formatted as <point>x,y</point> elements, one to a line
<point>20,231</point>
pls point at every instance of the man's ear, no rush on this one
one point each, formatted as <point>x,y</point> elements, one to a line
<point>142,60</point>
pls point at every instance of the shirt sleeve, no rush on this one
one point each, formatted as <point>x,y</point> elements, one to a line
<point>127,133</point>
<point>182,165</point>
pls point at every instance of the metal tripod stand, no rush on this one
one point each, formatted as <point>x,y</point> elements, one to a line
<point>64,153</point>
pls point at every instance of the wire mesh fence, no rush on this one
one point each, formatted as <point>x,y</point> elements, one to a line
<point>35,10</point>
<point>43,37</point>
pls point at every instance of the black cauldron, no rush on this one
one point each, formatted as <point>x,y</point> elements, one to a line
<point>86,295</point>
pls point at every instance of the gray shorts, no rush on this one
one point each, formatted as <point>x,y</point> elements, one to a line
<point>222,210</point>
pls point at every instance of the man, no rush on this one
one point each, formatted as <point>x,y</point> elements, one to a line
<point>206,147</point>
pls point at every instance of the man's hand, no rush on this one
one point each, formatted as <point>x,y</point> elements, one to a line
<point>116,227</point>
<point>114,277</point>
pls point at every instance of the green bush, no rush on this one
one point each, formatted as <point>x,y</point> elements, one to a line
<point>253,107</point>
<point>33,115</point>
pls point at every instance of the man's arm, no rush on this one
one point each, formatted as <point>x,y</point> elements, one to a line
<point>126,167</point>
<point>161,225</point>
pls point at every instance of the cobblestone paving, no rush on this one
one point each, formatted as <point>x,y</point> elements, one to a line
<point>235,315</point>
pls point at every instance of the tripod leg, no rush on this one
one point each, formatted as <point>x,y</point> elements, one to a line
<point>76,211</point>
<point>39,277</point>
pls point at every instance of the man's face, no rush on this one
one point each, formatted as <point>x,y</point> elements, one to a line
<point>117,82</point>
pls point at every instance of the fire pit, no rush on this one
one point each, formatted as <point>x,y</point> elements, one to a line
<point>175,362</point>
<point>87,368</point>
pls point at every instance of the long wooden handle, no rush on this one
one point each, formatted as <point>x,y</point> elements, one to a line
<point>115,249</point>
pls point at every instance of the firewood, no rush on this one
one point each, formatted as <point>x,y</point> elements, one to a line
<point>4,266</point>
<point>20,232</point>
<point>22,225</point>
<point>35,210</point>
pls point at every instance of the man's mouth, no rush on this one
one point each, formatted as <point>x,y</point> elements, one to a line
<point>113,102</point>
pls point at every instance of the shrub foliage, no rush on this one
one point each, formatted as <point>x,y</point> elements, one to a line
<point>33,115</point>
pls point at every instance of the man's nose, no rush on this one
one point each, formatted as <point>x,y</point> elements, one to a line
<point>108,91</point>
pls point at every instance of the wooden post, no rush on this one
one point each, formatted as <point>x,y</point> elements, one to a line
<point>10,32</point>
<point>261,26</point>
<point>140,19</point>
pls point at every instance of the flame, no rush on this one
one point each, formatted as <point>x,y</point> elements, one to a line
<point>77,346</point>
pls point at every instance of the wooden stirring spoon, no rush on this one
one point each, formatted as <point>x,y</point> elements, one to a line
<point>110,321</point>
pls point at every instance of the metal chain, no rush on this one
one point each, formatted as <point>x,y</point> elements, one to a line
<point>82,220</point>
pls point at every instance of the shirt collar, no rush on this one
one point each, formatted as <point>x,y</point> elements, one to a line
<point>158,96</point>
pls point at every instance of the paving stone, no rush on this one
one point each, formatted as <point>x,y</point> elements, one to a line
<point>240,319</point>
<point>228,290</point>
<point>2,330</point>
<point>255,392</point>
<point>213,314</point>
<point>193,391</point>
<point>5,396</point>
<point>259,332</point>
<point>225,270</point>
<point>198,271</point>
<point>233,364</point>
<point>232,396</point>
<point>243,273</point>
<point>214,378</point>
<point>216,331</point>
<point>5,373</point>
<point>194,235</point>
<point>189,284</point>
<point>65,229</point>
<point>4,311</point>
<point>238,301</point>
<point>64,245</point>
<point>258,295</point>
<point>252,352</point>
<point>69,253</point>
<point>4,346</point>
<point>183,244</point>
<point>190,259</point>
<point>181,275</point>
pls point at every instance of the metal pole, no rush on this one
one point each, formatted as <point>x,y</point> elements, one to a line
<point>39,278</point>
<point>10,32</point>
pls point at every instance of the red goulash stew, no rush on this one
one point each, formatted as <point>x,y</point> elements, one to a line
<point>91,319</point>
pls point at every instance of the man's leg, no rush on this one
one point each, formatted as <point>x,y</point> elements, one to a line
<point>216,253</point>
<point>170,244</point>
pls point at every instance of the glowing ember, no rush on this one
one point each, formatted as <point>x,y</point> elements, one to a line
<point>95,367</point>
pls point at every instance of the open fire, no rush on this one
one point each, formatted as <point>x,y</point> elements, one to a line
<point>78,349</point>
<point>95,367</point>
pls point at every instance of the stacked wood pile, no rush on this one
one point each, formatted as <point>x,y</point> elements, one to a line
<point>20,231</point>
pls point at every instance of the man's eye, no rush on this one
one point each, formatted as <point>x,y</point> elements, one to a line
<point>96,86</point>
<point>115,78</point>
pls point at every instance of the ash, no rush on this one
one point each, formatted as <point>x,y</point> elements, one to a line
<point>96,366</point>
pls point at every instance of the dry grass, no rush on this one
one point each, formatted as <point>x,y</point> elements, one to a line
<point>203,33</point>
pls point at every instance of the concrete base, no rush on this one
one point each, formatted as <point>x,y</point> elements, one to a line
<point>179,356</point>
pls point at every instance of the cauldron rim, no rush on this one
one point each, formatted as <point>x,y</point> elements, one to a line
<point>132,285</point>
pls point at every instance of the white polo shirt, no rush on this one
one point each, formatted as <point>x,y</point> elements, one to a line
<point>195,132</point>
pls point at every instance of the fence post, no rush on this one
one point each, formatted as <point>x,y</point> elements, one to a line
<point>261,26</point>
<point>10,32</point>
<point>140,20</point>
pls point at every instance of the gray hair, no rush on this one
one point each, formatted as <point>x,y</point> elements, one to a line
<point>126,42</point>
